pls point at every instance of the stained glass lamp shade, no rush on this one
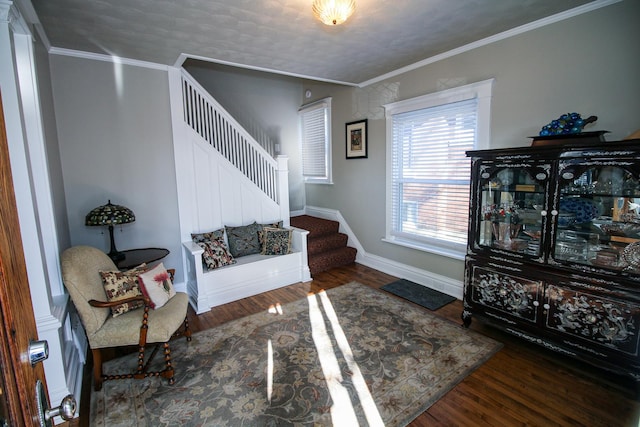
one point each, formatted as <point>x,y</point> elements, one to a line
<point>110,215</point>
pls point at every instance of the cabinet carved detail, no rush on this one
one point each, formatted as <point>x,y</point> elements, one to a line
<point>607,322</point>
<point>506,293</point>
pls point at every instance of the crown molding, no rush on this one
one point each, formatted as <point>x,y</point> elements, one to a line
<point>184,56</point>
<point>492,39</point>
<point>107,58</point>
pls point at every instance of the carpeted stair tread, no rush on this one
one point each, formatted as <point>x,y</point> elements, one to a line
<point>326,246</point>
<point>334,258</point>
<point>315,226</point>
<point>316,245</point>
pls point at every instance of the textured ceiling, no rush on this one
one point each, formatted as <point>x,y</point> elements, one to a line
<point>282,35</point>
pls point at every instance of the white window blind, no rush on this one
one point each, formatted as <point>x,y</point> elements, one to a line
<point>315,127</point>
<point>429,170</point>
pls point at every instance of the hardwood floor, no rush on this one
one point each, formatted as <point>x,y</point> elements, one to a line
<point>521,385</point>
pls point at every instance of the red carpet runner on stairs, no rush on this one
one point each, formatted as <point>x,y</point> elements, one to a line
<point>326,246</point>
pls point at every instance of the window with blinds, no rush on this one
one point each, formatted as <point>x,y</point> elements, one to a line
<point>315,126</point>
<point>429,170</point>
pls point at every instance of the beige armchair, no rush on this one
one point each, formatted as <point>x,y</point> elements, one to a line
<point>80,273</point>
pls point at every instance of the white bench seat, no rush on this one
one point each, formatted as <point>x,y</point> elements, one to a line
<point>250,275</point>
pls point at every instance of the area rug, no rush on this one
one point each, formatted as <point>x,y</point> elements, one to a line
<point>426,297</point>
<point>345,357</point>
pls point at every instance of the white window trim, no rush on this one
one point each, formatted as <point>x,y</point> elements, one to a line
<point>482,91</point>
<point>322,103</point>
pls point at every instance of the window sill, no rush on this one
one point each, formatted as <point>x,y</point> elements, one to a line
<point>316,182</point>
<point>449,253</point>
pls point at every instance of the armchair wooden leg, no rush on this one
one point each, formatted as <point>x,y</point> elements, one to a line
<point>97,369</point>
<point>140,372</point>
<point>168,371</point>
<point>187,330</point>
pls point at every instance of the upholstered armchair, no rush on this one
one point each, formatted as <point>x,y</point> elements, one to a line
<point>81,267</point>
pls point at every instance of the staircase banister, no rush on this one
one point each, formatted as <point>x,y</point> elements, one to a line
<point>283,188</point>
<point>239,128</point>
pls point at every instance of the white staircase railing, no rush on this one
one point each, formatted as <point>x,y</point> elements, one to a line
<point>218,128</point>
<point>255,128</point>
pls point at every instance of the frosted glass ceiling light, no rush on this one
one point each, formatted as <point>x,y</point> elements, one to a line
<point>333,12</point>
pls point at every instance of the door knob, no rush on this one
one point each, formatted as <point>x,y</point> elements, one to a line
<point>66,410</point>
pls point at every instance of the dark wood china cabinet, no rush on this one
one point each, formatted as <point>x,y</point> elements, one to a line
<point>554,248</point>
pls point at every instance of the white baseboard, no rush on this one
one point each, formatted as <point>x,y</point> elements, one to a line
<point>180,286</point>
<point>426,278</point>
<point>423,277</point>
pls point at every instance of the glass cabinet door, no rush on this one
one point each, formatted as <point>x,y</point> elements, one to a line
<point>513,207</point>
<point>598,224</point>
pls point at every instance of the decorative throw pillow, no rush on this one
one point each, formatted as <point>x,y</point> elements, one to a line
<point>209,236</point>
<point>263,226</point>
<point>272,225</point>
<point>215,254</point>
<point>243,240</point>
<point>156,285</point>
<point>277,241</point>
<point>123,284</point>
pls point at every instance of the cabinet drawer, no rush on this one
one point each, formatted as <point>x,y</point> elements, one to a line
<point>506,293</point>
<point>607,322</point>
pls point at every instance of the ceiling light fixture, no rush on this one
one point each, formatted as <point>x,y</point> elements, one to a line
<point>333,12</point>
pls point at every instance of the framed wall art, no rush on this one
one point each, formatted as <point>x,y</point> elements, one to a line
<point>357,139</point>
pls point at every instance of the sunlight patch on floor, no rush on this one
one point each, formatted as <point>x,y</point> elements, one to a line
<point>269,370</point>
<point>342,411</point>
<point>366,400</point>
<point>275,309</point>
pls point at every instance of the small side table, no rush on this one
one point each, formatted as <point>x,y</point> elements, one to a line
<point>135,257</point>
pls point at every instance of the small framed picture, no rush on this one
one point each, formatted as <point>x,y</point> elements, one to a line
<point>357,139</point>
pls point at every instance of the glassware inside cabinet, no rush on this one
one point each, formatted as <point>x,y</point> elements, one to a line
<point>598,218</point>
<point>511,207</point>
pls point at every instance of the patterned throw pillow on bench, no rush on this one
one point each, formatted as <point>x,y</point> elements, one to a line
<point>209,236</point>
<point>276,241</point>
<point>245,240</point>
<point>216,254</point>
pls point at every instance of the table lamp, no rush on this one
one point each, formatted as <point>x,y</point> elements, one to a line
<point>110,215</point>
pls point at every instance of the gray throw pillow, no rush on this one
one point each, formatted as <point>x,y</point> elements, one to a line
<point>243,240</point>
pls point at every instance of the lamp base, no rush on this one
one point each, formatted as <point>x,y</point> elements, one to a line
<point>116,256</point>
<point>113,253</point>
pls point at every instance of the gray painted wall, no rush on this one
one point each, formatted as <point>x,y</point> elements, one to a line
<point>114,132</point>
<point>588,64</point>
<point>115,135</point>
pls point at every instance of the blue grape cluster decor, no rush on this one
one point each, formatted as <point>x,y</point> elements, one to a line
<point>566,124</point>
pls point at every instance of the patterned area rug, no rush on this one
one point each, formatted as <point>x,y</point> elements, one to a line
<point>349,356</point>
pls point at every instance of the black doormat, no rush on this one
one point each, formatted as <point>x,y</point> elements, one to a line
<point>419,294</point>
